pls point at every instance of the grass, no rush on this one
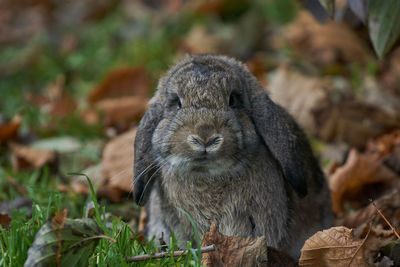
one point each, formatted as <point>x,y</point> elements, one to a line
<point>19,237</point>
<point>102,46</point>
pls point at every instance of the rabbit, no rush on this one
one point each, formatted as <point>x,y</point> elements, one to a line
<point>214,144</point>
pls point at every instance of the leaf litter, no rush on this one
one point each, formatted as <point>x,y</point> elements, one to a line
<point>329,107</point>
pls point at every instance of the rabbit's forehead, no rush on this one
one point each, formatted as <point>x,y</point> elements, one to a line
<point>193,86</point>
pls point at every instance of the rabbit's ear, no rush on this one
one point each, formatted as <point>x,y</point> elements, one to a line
<point>286,141</point>
<point>144,170</point>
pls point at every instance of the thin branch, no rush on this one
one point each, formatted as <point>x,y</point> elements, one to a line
<point>386,220</point>
<point>358,249</point>
<point>166,254</point>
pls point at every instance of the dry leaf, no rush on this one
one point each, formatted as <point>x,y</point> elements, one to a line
<point>125,109</point>
<point>118,160</point>
<point>54,100</point>
<point>310,94</point>
<point>389,73</point>
<point>30,158</point>
<point>199,40</point>
<point>327,43</point>
<point>10,130</point>
<point>5,220</point>
<point>122,82</point>
<point>358,171</point>
<point>375,238</point>
<point>114,194</point>
<point>257,67</point>
<point>80,188</point>
<point>384,145</point>
<point>313,102</point>
<point>90,116</point>
<point>239,251</point>
<point>352,122</point>
<point>388,204</point>
<point>393,162</point>
<point>341,246</point>
<point>210,6</point>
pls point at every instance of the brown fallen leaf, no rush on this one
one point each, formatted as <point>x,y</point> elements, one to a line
<point>384,145</point>
<point>311,93</point>
<point>5,220</point>
<point>80,188</point>
<point>122,82</point>
<point>393,162</point>
<point>327,43</point>
<point>114,194</point>
<point>10,130</point>
<point>389,204</point>
<point>54,99</point>
<point>317,109</point>
<point>90,116</point>
<point>341,246</point>
<point>239,251</point>
<point>25,157</point>
<point>124,109</point>
<point>200,40</point>
<point>117,161</point>
<point>386,148</point>
<point>348,181</point>
<point>389,73</point>
<point>209,7</point>
<point>257,67</point>
<point>352,122</point>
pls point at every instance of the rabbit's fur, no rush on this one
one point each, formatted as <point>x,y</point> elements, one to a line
<point>214,144</point>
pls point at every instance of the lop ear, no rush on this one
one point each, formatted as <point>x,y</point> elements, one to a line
<point>287,143</point>
<point>144,168</point>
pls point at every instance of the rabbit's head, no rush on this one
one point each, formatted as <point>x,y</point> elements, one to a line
<point>207,119</point>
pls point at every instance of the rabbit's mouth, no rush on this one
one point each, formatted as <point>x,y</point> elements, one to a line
<point>200,164</point>
<point>203,159</point>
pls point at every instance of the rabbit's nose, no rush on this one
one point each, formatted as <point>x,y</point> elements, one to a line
<point>212,144</point>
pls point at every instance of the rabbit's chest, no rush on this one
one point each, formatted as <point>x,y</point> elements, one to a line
<point>241,208</point>
<point>223,204</point>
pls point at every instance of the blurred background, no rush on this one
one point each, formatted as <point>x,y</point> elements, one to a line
<point>75,78</point>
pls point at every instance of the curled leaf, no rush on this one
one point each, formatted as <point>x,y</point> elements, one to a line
<point>341,246</point>
<point>239,251</point>
<point>27,157</point>
<point>358,171</point>
<point>74,240</point>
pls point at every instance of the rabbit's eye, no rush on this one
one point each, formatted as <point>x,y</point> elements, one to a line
<point>234,100</point>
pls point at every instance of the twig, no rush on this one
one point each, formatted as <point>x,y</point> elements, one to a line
<point>166,254</point>
<point>362,244</point>
<point>386,220</point>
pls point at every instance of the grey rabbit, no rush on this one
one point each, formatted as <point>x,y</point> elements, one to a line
<point>214,144</point>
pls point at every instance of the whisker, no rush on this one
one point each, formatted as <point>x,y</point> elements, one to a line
<point>151,177</point>
<point>120,173</point>
<point>144,172</point>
